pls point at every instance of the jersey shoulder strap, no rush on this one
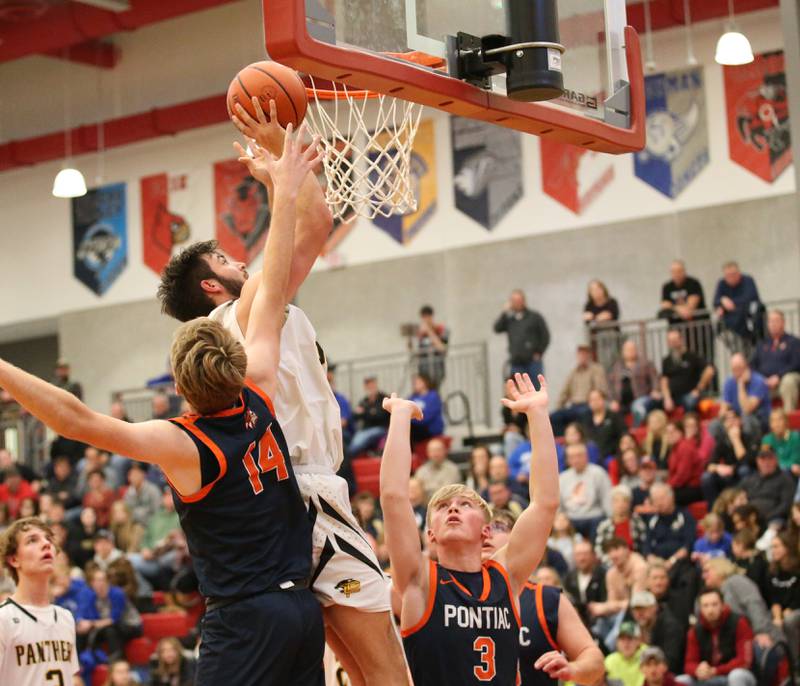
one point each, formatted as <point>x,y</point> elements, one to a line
<point>213,464</point>
<point>433,580</point>
<point>546,600</point>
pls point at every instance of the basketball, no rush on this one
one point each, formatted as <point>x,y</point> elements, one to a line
<point>270,81</point>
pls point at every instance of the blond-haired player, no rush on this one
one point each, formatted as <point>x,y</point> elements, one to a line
<point>460,616</point>
<point>37,639</point>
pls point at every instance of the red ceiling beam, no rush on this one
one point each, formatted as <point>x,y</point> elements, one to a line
<point>92,52</point>
<point>134,128</point>
<point>666,14</point>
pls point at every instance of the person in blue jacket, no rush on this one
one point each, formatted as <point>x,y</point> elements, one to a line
<point>430,402</point>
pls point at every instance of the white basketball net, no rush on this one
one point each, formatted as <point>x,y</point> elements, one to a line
<point>367,167</point>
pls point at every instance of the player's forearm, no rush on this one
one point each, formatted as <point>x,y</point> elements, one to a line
<point>396,462</point>
<point>277,261</point>
<point>57,408</point>
<point>544,487</point>
<point>587,667</point>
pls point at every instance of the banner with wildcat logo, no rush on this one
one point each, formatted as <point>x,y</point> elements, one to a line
<point>677,147</point>
<point>487,169</point>
<point>759,135</point>
<point>100,236</point>
<point>165,205</point>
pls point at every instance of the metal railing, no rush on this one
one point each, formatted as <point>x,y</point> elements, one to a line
<point>23,435</point>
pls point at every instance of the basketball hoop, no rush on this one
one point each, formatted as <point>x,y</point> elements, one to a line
<point>367,159</point>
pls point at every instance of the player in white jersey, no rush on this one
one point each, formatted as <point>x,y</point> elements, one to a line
<point>346,576</point>
<point>37,639</point>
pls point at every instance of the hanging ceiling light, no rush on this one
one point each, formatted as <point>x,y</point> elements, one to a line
<point>733,48</point>
<point>691,58</point>
<point>69,182</point>
<point>649,57</point>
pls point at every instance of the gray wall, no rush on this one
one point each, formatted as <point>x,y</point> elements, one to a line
<point>35,355</point>
<point>357,311</point>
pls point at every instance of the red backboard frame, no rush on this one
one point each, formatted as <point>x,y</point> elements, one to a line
<point>288,42</point>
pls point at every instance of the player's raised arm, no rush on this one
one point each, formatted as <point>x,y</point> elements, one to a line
<point>528,538</point>
<point>402,535</point>
<point>262,341</point>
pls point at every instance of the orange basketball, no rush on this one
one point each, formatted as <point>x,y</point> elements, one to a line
<point>270,81</point>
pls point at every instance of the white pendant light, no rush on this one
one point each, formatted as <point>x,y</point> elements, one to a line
<point>649,57</point>
<point>69,183</point>
<point>733,48</point>
<point>691,58</point>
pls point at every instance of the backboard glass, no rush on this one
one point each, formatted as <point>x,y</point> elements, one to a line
<point>346,40</point>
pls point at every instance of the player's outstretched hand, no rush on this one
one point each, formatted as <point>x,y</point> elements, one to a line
<point>555,665</point>
<point>522,396</point>
<point>266,131</point>
<point>395,404</point>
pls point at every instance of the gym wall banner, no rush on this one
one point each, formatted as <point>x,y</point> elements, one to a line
<point>574,176</point>
<point>487,170</point>
<point>100,237</point>
<point>758,115</point>
<point>165,202</point>
<point>677,148</point>
<point>423,177</point>
<point>241,211</point>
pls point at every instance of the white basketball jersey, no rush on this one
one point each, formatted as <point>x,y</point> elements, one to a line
<point>304,404</point>
<point>37,645</point>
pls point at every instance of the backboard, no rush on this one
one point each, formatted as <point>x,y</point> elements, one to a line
<point>348,40</point>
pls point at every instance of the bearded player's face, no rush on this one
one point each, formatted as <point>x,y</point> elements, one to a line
<point>231,275</point>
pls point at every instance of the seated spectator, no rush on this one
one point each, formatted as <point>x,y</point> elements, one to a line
<point>642,503</point>
<point>769,489</point>
<point>161,546</point>
<point>14,491</point>
<point>719,646</point>
<point>682,298</point>
<point>586,583</point>
<point>747,518</point>
<point>621,524</point>
<point>753,561</point>
<point>105,551</point>
<point>431,349</point>
<point>573,400</point>
<point>784,441</point>
<point>63,485</point>
<point>127,533</point>
<point>28,508</point>
<point>575,434</point>
<point>600,310</point>
<point>603,427</point>
<point>432,422</point>
<point>80,541</point>
<point>122,574</point>
<point>738,305</point>
<point>784,591</point>
<point>93,460</point>
<point>499,471</point>
<point>563,538</point>
<point>715,541</point>
<point>547,576</point>
<point>622,666</point>
<point>684,465</point>
<point>698,434</point>
<point>515,429</point>
<point>7,461</point>
<point>655,443</point>
<point>99,497</point>
<point>585,492</point>
<point>143,498</point>
<point>501,498</point>
<point>105,617</point>
<point>66,589</point>
<point>172,667</point>
<point>627,574</point>
<point>726,503</point>
<point>685,376</point>
<point>670,531</point>
<point>372,421</point>
<point>438,471</point>
<point>418,500</point>
<point>628,469</point>
<point>478,473</point>
<point>655,668</point>
<point>777,359</point>
<point>366,514</point>
<point>633,384</point>
<point>746,393</point>
<point>733,457</point>
<point>678,601</point>
<point>120,674</point>
<point>793,525</point>
<point>659,628</point>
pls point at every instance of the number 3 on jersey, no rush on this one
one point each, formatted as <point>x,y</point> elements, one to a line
<point>486,670</point>
<point>269,457</point>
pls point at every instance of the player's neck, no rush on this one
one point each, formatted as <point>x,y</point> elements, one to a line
<point>460,557</point>
<point>32,590</point>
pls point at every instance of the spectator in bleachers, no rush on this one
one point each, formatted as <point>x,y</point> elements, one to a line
<point>371,420</point>
<point>118,411</point>
<point>162,544</point>
<point>655,440</point>
<point>478,473</point>
<point>417,498</point>
<point>784,441</point>
<point>28,508</point>
<point>172,667</point>
<point>733,457</point>
<point>563,538</point>
<point>682,298</point>
<point>528,336</point>
<point>699,436</point>
<point>586,583</point>
<point>753,561</point>
<point>431,350</point>
<point>574,398</point>
<point>160,406</point>
<point>585,492</point>
<point>784,591</point>
<point>600,309</point>
<point>63,485</point>
<point>438,471</point>
<point>547,576</point>
<point>685,376</point>
<point>14,491</point>
<point>738,305</point>
<point>429,401</point>
<point>715,541</point>
<point>94,460</point>
<point>746,393</point>
<point>659,627</point>
<point>628,468</point>
<point>366,513</point>
<point>621,524</point>
<point>120,674</point>
<point>105,616</point>
<point>66,589</point>
<point>574,434</point>
<point>515,430</point>
<point>7,461</point>
<point>99,497</point>
<point>655,668</point>
<point>499,471</point>
<point>142,497</point>
<point>622,666</point>
<point>80,541</point>
<point>345,410</point>
<point>671,530</point>
<point>603,427</point>
<point>719,650</point>
<point>62,379</point>
<point>502,498</point>
<point>777,359</point>
<point>648,473</point>
<point>680,603</point>
<point>685,467</point>
<point>770,489</point>
<point>105,550</point>
<point>127,533</point>
<point>633,384</point>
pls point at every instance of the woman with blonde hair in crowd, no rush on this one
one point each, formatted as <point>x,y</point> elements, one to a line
<point>127,533</point>
<point>478,474</point>
<point>726,503</point>
<point>655,442</point>
<point>563,538</point>
<point>172,667</point>
<point>120,674</point>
